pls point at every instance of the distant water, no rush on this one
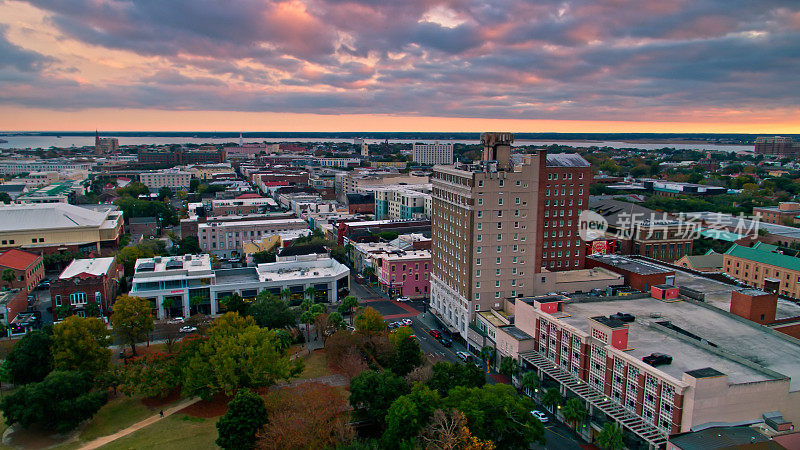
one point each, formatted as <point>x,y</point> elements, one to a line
<point>45,142</point>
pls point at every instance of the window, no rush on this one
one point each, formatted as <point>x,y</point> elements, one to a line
<point>516,200</point>
<point>58,300</point>
<point>480,226</point>
<point>480,201</point>
<point>500,213</point>
<point>499,225</point>
<point>480,214</point>
<point>477,249</point>
<point>502,182</point>
<point>497,283</point>
<point>499,249</point>
<point>500,201</point>
<point>77,298</point>
<point>499,237</point>
<point>477,285</point>
<point>478,273</point>
<point>498,260</point>
<point>477,261</point>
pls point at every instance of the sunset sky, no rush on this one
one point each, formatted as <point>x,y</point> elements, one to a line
<point>402,65</point>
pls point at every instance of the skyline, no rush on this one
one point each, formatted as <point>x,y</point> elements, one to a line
<point>586,66</point>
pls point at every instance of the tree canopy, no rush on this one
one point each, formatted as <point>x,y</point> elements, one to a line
<point>372,393</point>
<point>81,344</point>
<point>245,416</point>
<point>132,319</point>
<point>31,359</point>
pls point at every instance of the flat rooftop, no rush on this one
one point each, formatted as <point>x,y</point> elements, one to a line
<point>646,336</point>
<point>299,270</point>
<point>631,265</point>
<point>581,275</point>
<point>245,223</point>
<point>236,276</point>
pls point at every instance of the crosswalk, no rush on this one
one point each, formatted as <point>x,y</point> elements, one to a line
<point>628,420</point>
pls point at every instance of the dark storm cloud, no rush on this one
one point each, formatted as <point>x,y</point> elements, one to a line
<point>580,59</point>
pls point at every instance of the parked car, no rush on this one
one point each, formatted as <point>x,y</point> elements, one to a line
<point>540,415</point>
<point>464,356</point>
<point>393,325</point>
<point>44,284</point>
<point>447,342</point>
<point>188,329</point>
<point>435,333</point>
<point>403,299</point>
<point>625,317</point>
<point>175,320</point>
<point>657,359</point>
<point>407,322</point>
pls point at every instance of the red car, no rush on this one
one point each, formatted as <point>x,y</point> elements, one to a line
<point>435,333</point>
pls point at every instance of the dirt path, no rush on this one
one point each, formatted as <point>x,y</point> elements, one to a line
<point>101,441</point>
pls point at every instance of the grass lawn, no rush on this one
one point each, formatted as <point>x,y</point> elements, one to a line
<point>178,431</point>
<point>316,365</point>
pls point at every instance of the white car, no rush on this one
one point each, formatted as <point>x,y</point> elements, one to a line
<point>464,356</point>
<point>407,322</point>
<point>540,415</point>
<point>188,329</point>
<point>175,320</point>
<point>403,299</point>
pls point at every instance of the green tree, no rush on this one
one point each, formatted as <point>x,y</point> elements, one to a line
<point>530,382</point>
<point>408,415</point>
<point>195,301</point>
<point>311,293</point>
<point>132,319</point>
<point>336,321</point>
<point>134,189</point>
<point>574,411</point>
<point>552,399</point>
<point>234,303</point>
<point>446,376</point>
<point>494,412</point>
<point>286,294</point>
<point>270,311</point>
<point>263,257</point>
<point>31,359</point>
<point>245,416</point>
<point>347,306</point>
<point>59,402</point>
<point>407,357</point>
<point>509,366</point>
<point>9,276</point>
<point>372,393</point>
<point>194,183</point>
<point>487,354</point>
<point>370,321</point>
<point>165,193</point>
<point>168,303</point>
<point>610,437</point>
<point>5,198</point>
<point>92,309</point>
<point>63,311</point>
<point>238,353</point>
<point>81,344</point>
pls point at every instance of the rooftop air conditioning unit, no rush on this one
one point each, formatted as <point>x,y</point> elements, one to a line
<point>157,259</point>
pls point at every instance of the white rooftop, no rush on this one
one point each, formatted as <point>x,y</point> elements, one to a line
<point>91,266</point>
<point>251,222</point>
<point>164,265</point>
<point>295,270</point>
<point>23,217</point>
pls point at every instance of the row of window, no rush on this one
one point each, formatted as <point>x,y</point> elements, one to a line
<point>77,298</point>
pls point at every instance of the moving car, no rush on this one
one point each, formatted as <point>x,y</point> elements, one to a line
<point>403,299</point>
<point>540,415</point>
<point>625,317</point>
<point>464,356</point>
<point>447,342</point>
<point>188,329</point>
<point>435,333</point>
<point>407,322</point>
<point>393,325</point>
<point>657,359</point>
<point>175,320</point>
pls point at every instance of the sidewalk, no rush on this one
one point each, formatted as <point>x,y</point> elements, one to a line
<point>101,441</point>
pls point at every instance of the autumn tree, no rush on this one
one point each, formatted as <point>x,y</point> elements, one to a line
<point>31,359</point>
<point>369,321</point>
<point>245,417</point>
<point>372,393</point>
<point>238,353</point>
<point>310,415</point>
<point>132,319</point>
<point>81,344</point>
<point>448,431</point>
<point>154,375</point>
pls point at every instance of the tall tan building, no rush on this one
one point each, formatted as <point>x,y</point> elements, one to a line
<point>500,228</point>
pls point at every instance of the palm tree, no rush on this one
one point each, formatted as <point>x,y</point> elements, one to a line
<point>9,276</point>
<point>610,437</point>
<point>487,353</point>
<point>167,304</point>
<point>348,304</point>
<point>574,411</point>
<point>311,292</point>
<point>530,382</point>
<point>286,294</point>
<point>552,399</point>
<point>195,301</point>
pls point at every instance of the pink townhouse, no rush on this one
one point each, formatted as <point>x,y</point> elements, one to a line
<point>405,273</point>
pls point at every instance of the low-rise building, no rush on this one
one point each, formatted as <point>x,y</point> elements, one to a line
<point>16,167</point>
<point>783,214</point>
<point>64,192</point>
<point>179,286</point>
<point>243,204</point>
<point>710,262</point>
<point>143,226</point>
<point>54,227</point>
<point>28,269</point>
<point>169,178</point>
<point>764,266</point>
<point>402,202</point>
<point>226,239</point>
<point>84,282</point>
<point>404,273</point>
<point>639,275</point>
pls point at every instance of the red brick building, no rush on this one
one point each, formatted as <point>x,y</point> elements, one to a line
<point>28,268</point>
<point>86,281</point>
<point>639,275</point>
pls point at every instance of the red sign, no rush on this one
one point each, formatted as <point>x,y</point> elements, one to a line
<point>180,291</point>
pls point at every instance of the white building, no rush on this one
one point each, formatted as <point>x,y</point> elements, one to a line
<point>170,178</point>
<point>435,153</point>
<point>18,167</point>
<point>179,279</point>
<point>403,202</point>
